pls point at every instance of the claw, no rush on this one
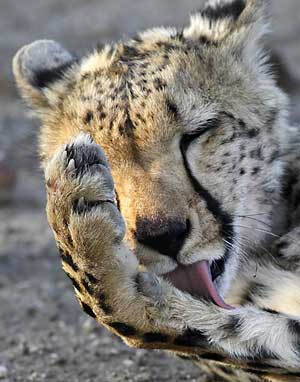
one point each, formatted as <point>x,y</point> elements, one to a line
<point>64,156</point>
<point>80,204</point>
<point>71,166</point>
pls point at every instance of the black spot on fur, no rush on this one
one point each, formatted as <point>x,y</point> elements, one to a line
<point>241,123</point>
<point>101,298</point>
<point>263,355</point>
<point>256,153</point>
<point>130,52</point>
<point>155,337</point>
<point>242,171</point>
<point>255,170</point>
<point>88,287</point>
<point>74,282</point>
<point>204,40</point>
<point>172,108</point>
<point>102,115</point>
<point>294,328</point>
<point>292,181</point>
<point>233,326</point>
<point>192,337</point>
<point>296,199</point>
<point>88,117</point>
<point>91,278</point>
<point>252,133</point>
<point>87,309</point>
<point>106,309</point>
<point>222,10</point>
<point>44,78</point>
<point>123,329</point>
<point>179,35</point>
<point>282,245</point>
<point>159,84</point>
<point>213,357</point>
<point>66,258</point>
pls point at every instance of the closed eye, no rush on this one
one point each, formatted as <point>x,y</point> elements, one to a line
<point>206,126</point>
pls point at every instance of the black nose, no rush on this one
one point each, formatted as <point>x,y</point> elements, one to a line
<point>164,236</point>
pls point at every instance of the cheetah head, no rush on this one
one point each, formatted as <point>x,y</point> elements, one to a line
<point>193,126</point>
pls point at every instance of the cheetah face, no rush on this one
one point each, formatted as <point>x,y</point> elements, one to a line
<point>191,124</point>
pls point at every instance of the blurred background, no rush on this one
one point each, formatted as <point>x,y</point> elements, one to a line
<point>44,336</point>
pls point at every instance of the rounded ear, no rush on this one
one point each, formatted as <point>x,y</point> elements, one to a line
<point>37,67</point>
<point>238,25</point>
<point>220,19</point>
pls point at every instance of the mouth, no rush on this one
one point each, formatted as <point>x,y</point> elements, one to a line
<point>198,280</point>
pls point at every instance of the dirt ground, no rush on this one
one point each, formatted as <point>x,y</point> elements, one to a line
<point>44,336</point>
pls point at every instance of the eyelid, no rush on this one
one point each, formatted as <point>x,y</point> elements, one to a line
<point>204,127</point>
<point>188,137</point>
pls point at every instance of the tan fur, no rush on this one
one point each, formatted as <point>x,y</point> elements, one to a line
<point>137,100</point>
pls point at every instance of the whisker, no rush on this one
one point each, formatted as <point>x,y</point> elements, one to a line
<point>254,214</point>
<point>254,219</point>
<point>256,229</point>
<point>234,246</point>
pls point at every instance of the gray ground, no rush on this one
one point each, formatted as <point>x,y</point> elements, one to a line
<point>44,336</point>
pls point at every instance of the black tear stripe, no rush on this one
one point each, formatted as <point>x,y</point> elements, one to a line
<point>212,203</point>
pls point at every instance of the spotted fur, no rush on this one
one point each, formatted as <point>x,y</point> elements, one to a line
<point>171,148</point>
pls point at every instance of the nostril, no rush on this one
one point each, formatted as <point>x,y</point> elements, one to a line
<point>164,236</point>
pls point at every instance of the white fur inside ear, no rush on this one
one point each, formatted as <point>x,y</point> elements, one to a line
<point>40,56</point>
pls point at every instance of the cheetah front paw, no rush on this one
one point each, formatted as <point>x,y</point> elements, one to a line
<point>89,231</point>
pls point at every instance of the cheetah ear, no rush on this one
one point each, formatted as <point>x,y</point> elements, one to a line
<point>40,67</point>
<point>239,23</point>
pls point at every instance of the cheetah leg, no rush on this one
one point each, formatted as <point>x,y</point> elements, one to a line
<point>145,310</point>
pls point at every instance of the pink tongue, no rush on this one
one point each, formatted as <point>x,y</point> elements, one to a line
<point>196,279</point>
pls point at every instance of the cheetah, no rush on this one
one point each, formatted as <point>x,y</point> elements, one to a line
<point>171,174</point>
